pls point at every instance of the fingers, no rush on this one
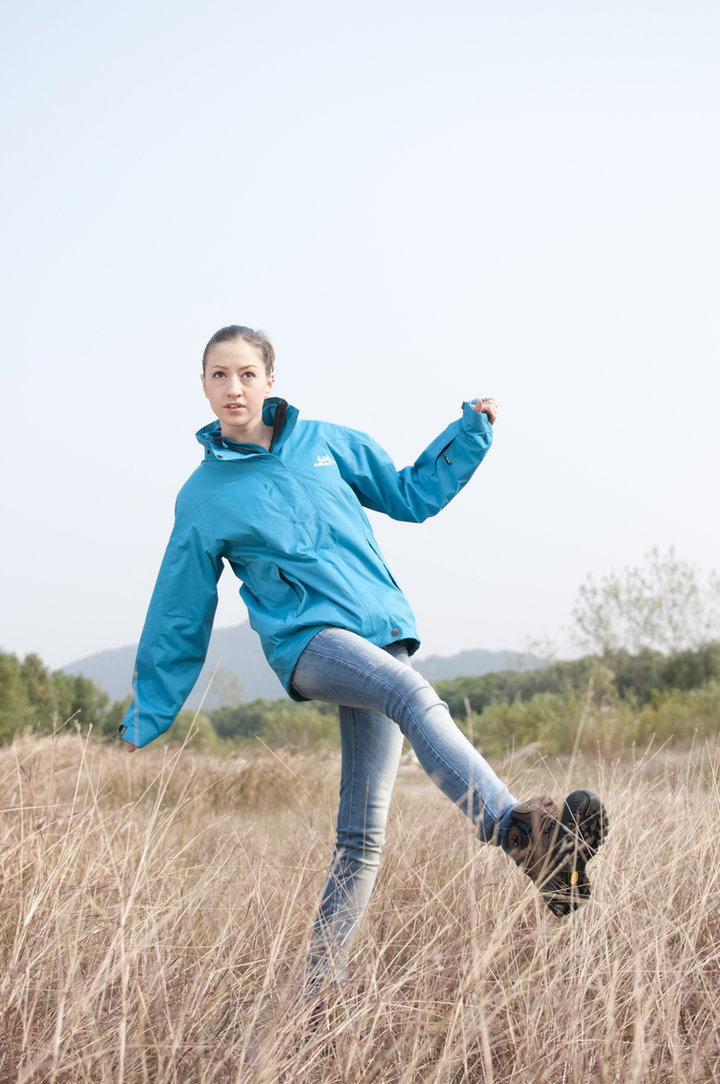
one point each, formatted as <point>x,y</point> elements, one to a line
<point>488,406</point>
<point>130,747</point>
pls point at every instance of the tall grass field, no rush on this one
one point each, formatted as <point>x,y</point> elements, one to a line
<point>155,909</point>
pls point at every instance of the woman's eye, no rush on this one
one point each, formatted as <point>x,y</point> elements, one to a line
<point>218,376</point>
<point>251,376</point>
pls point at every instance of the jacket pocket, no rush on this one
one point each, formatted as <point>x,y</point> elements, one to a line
<point>372,542</point>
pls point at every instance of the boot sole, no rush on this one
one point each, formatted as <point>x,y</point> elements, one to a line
<point>582,831</point>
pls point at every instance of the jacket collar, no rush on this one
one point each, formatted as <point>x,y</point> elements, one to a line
<point>218,448</point>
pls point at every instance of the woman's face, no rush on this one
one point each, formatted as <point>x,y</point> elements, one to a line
<point>236,385</point>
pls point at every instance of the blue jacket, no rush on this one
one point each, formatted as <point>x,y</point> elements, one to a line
<point>290,523</point>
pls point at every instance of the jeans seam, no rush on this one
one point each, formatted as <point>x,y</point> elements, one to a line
<point>353,787</point>
<point>349,819</point>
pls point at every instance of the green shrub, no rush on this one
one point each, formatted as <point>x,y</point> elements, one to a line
<point>203,737</point>
<point>681,716</point>
<point>278,722</point>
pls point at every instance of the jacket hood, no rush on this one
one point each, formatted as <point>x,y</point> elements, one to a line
<point>212,440</point>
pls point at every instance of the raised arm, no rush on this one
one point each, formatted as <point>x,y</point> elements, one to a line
<point>440,472</point>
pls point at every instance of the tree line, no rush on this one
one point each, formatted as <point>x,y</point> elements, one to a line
<point>33,697</point>
<point>652,671</point>
<point>622,697</point>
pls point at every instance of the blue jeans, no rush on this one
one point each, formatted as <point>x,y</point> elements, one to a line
<point>382,698</point>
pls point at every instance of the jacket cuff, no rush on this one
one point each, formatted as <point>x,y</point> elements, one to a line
<point>473,421</point>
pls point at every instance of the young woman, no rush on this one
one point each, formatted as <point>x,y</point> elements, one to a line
<point>281,499</point>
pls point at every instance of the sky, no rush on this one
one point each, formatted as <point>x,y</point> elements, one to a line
<point>419,203</point>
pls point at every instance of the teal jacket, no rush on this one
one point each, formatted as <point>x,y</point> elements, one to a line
<point>290,523</point>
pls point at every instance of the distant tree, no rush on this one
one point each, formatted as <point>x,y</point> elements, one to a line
<point>637,676</point>
<point>665,605</point>
<point>114,716</point>
<point>75,696</point>
<point>38,685</point>
<point>243,720</point>
<point>33,697</point>
<point>278,722</point>
<point>690,669</point>
<point>226,688</point>
<point>196,724</point>
<point>13,696</point>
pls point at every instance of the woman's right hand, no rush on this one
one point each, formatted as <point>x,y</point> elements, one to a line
<point>487,406</point>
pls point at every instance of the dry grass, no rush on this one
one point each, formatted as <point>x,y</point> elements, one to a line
<point>154,911</point>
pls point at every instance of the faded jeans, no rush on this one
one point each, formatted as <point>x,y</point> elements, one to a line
<point>381,698</point>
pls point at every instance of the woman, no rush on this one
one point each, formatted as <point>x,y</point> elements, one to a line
<point>281,499</point>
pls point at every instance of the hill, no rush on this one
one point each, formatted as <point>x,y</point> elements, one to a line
<point>235,651</point>
<point>474,662</point>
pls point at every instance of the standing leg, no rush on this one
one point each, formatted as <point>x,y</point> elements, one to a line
<point>371,748</point>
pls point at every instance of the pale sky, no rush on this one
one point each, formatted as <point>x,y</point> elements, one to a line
<point>420,203</point>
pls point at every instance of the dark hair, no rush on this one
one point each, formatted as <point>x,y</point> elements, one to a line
<point>257,339</point>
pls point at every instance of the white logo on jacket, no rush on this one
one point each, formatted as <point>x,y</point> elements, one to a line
<point>324,461</point>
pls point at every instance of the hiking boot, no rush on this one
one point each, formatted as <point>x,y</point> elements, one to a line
<point>553,848</point>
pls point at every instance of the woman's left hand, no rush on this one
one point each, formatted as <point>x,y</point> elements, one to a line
<point>487,406</point>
